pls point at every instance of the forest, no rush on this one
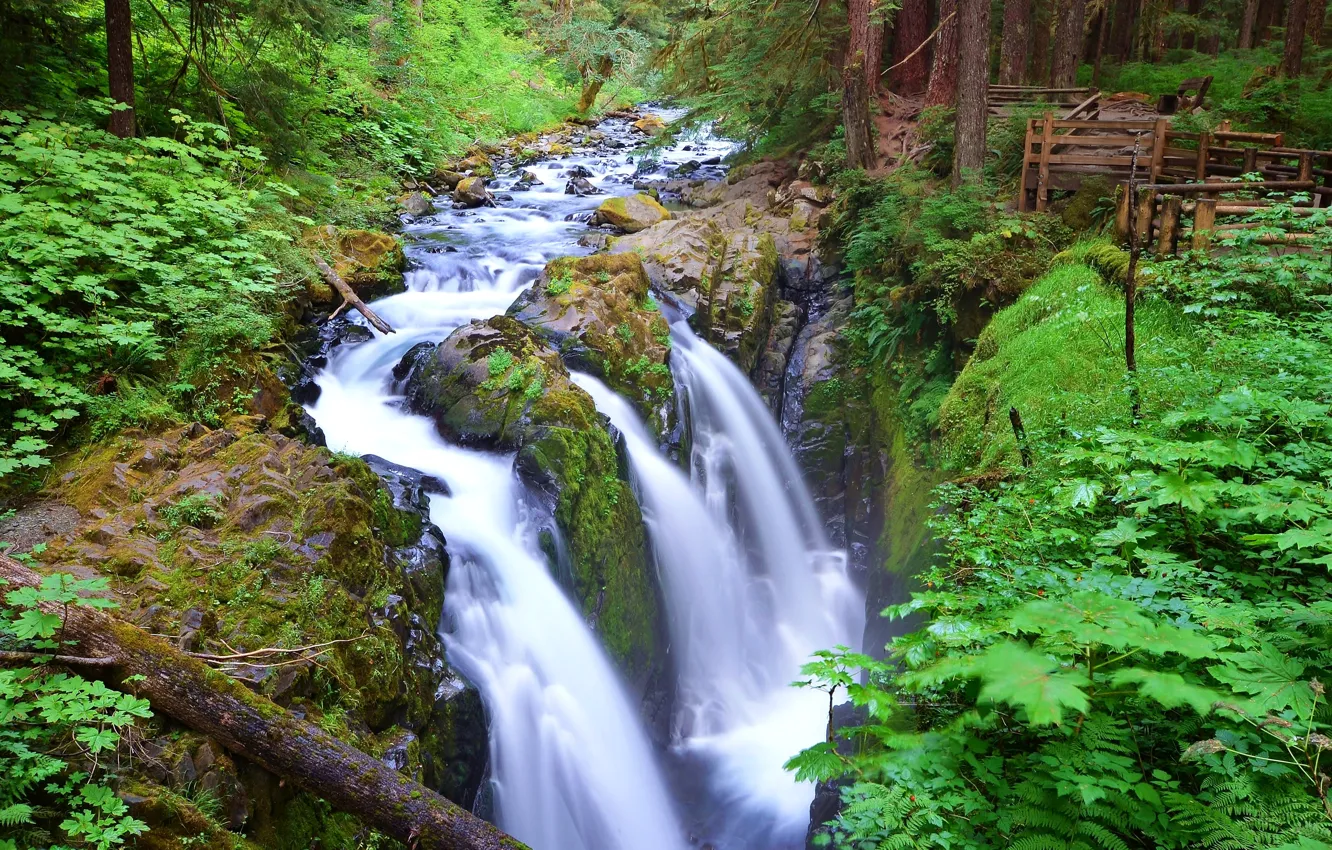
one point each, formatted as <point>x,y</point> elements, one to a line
<point>609,424</point>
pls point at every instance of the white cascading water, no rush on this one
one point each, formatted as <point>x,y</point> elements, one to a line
<point>751,584</point>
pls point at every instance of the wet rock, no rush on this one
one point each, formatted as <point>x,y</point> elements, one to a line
<point>471,192</point>
<point>578,171</point>
<point>478,165</point>
<point>650,125</point>
<point>449,179</point>
<point>416,204</point>
<point>598,313</point>
<point>631,214</point>
<point>527,179</point>
<point>581,186</point>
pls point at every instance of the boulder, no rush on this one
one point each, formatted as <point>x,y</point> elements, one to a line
<point>416,203</point>
<point>369,261</point>
<point>650,125</point>
<point>632,214</point>
<point>581,186</point>
<point>450,179</point>
<point>729,274</point>
<point>471,192</point>
<point>526,179</point>
<point>478,165</point>
<point>598,313</point>
<point>497,385</point>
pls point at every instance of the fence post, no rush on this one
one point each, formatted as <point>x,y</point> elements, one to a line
<point>1158,148</point>
<point>1023,203</point>
<point>1204,222</point>
<point>1250,161</point>
<point>1122,203</point>
<point>1145,213</point>
<point>1171,206</point>
<point>1043,176</point>
<point>1204,145</point>
<point>1306,166</point>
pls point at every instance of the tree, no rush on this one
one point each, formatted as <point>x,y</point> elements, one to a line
<point>942,90</point>
<point>910,28</point>
<point>1016,44</point>
<point>972,83</point>
<point>1067,43</point>
<point>1296,18</point>
<point>1314,21</point>
<point>1248,19</point>
<point>855,89</point>
<point>120,66</point>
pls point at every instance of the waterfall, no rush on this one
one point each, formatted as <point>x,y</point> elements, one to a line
<point>752,589</point>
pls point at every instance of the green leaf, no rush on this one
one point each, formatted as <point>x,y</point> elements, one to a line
<point>1171,690</point>
<point>1013,673</point>
<point>1274,681</point>
<point>35,624</point>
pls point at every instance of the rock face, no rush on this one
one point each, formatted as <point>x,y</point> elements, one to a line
<point>369,261</point>
<point>471,192</point>
<point>239,538</point>
<point>416,203</point>
<point>728,274</point>
<point>598,313</point>
<point>631,214</point>
<point>497,385</point>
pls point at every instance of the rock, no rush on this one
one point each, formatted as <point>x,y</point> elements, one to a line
<point>450,179</point>
<point>729,275</point>
<point>598,313</point>
<point>471,192</point>
<point>527,179</point>
<point>687,168</point>
<point>651,125</point>
<point>478,165</point>
<point>581,186</point>
<point>369,261</point>
<point>631,214</point>
<point>803,214</point>
<point>416,203</point>
<point>497,385</point>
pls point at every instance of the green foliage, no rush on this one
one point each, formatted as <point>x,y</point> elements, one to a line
<point>112,253</point>
<point>559,284</point>
<point>197,509</point>
<point>58,731</point>
<point>1123,645</point>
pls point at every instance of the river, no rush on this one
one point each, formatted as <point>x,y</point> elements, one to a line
<point>751,585</point>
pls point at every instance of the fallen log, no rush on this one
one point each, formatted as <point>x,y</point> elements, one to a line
<point>349,295</point>
<point>257,729</point>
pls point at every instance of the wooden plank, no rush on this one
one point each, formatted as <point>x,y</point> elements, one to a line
<point>1088,159</point>
<point>1269,138</point>
<point>1095,141</point>
<point>1085,124</point>
<point>1043,170</point>
<point>1190,188</point>
<point>1094,97</point>
<point>1185,153</point>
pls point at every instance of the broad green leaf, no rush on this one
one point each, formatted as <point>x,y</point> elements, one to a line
<point>1013,673</point>
<point>1274,681</point>
<point>1171,690</point>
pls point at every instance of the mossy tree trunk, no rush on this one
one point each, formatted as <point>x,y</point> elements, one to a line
<point>942,90</point>
<point>972,89</point>
<point>592,83</point>
<point>120,66</point>
<point>910,28</point>
<point>255,728</point>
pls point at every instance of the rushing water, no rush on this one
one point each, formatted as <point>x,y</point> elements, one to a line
<point>751,584</point>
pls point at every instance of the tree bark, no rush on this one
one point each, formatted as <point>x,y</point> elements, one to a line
<point>1038,69</point>
<point>256,729</point>
<point>1068,43</point>
<point>855,91</point>
<point>1016,43</point>
<point>942,90</point>
<point>1248,21</point>
<point>1270,14</point>
<point>874,50</point>
<point>1102,35</point>
<point>973,79</point>
<point>1121,39</point>
<point>1296,17</point>
<point>1315,19</point>
<point>120,66</point>
<point>592,87</point>
<point>910,28</point>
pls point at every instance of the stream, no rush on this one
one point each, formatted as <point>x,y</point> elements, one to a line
<point>750,583</point>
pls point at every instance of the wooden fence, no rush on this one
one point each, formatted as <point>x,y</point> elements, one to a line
<point>1061,153</point>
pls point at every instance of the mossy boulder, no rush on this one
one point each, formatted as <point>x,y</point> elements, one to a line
<point>369,261</point>
<point>477,164</point>
<point>497,385</point>
<point>650,125</point>
<point>630,214</point>
<point>239,538</point>
<point>471,192</point>
<point>599,313</point>
<point>729,274</point>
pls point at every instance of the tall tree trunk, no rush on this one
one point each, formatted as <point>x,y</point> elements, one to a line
<point>874,50</point>
<point>251,726</point>
<point>942,90</point>
<point>1038,70</point>
<point>910,28</point>
<point>1270,14</point>
<point>1102,36</point>
<point>1248,22</point>
<point>1067,43</point>
<point>1293,58</point>
<point>973,75</point>
<point>1316,18</point>
<point>1016,43</point>
<point>1194,7</point>
<point>120,66</point>
<point>1121,38</point>
<point>855,91</point>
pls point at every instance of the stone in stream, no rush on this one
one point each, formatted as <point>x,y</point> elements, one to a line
<point>450,179</point>
<point>526,179</point>
<point>497,385</point>
<point>416,203</point>
<point>370,262</point>
<point>581,186</point>
<point>471,192</point>
<point>630,214</point>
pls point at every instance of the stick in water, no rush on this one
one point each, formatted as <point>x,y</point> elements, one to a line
<point>349,296</point>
